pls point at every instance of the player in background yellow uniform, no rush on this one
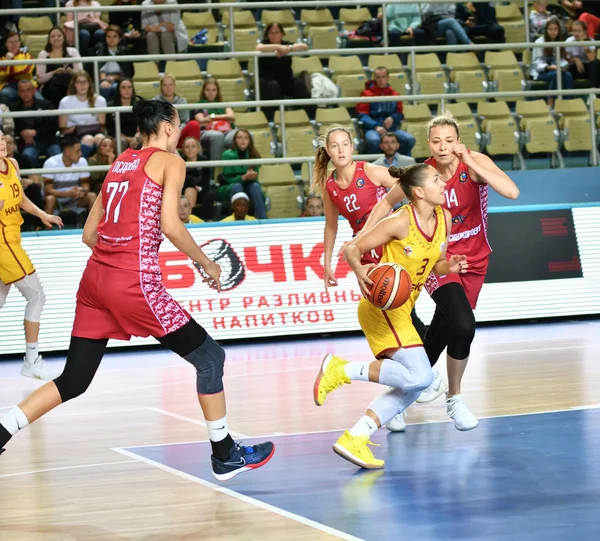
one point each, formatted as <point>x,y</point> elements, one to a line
<point>15,266</point>
<point>415,237</point>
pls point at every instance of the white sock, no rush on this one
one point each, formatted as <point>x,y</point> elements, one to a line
<point>14,420</point>
<point>357,371</point>
<point>365,427</point>
<point>31,352</point>
<point>453,397</point>
<point>217,430</point>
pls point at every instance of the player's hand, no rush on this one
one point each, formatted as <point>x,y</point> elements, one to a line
<point>214,276</point>
<point>364,282</point>
<point>462,153</point>
<point>50,219</point>
<point>341,254</point>
<point>458,264</point>
<point>329,278</point>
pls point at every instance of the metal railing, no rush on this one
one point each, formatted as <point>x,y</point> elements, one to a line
<point>282,104</point>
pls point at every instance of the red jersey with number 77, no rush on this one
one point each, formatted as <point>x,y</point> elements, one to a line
<point>129,233</point>
<point>467,202</point>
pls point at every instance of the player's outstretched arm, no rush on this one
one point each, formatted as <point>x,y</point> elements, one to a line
<point>28,206</point>
<point>394,227</point>
<point>455,264</point>
<point>486,171</point>
<point>172,226</point>
<point>383,208</point>
<point>380,176</point>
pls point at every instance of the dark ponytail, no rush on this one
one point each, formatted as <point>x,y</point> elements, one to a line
<point>149,114</point>
<point>410,177</point>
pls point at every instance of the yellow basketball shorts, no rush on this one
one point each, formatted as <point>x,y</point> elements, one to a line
<point>387,330</point>
<point>14,262</point>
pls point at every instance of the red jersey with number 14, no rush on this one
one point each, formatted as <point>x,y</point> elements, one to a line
<point>355,202</point>
<point>129,233</point>
<point>467,201</point>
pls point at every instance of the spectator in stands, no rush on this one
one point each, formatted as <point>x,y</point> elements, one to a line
<point>11,75</point>
<point>243,178</point>
<point>32,184</point>
<point>7,125</point>
<point>68,190</point>
<point>164,29</point>
<point>240,205</point>
<point>36,135</point>
<point>214,128</point>
<point>439,21</point>
<point>90,24</point>
<point>55,78</point>
<point>381,117</point>
<point>277,80</point>
<point>404,20</point>
<point>124,96</point>
<point>313,206</point>
<point>588,12</point>
<point>544,64</point>
<point>185,212</point>
<point>105,154</point>
<point>538,18</point>
<point>112,72</point>
<point>583,63</point>
<point>130,22</point>
<point>479,19</point>
<point>89,127</point>
<point>168,88</point>
<point>197,179</point>
<point>391,157</point>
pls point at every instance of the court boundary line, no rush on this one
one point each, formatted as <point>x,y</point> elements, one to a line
<point>247,499</point>
<point>63,468</point>
<point>420,423</point>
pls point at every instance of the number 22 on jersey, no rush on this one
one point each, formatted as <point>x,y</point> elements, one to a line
<point>116,193</point>
<point>350,201</point>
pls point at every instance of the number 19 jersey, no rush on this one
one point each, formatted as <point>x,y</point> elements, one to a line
<point>129,234</point>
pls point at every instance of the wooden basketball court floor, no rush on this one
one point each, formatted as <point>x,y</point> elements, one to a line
<point>129,460</point>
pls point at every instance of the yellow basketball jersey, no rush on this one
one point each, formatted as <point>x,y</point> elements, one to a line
<point>417,253</point>
<point>11,192</point>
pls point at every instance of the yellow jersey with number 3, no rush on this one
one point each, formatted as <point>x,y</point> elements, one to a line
<point>11,192</point>
<point>389,330</point>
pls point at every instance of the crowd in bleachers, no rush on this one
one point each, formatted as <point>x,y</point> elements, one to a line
<point>515,128</point>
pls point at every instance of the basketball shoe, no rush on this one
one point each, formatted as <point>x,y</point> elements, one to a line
<point>355,449</point>
<point>330,377</point>
<point>398,423</point>
<point>38,369</point>
<point>241,459</point>
<point>460,414</point>
<point>437,388</point>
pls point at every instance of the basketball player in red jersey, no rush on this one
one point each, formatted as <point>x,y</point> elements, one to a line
<point>468,175</point>
<point>352,190</point>
<point>121,293</point>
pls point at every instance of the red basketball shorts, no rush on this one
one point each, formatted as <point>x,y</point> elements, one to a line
<point>119,304</point>
<point>472,281</point>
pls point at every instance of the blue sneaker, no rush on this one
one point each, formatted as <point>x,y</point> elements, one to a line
<point>242,459</point>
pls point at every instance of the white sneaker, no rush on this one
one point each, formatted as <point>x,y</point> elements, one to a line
<point>398,423</point>
<point>37,370</point>
<point>460,414</point>
<point>437,388</point>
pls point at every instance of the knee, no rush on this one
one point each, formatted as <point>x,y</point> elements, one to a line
<point>463,327</point>
<point>209,360</point>
<point>70,387</point>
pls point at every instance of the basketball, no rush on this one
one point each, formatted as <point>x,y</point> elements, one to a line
<point>392,286</point>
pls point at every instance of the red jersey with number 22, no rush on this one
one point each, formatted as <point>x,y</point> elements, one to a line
<point>467,202</point>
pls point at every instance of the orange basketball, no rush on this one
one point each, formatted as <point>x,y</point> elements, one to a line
<point>392,286</point>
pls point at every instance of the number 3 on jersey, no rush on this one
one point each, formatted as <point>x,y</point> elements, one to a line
<point>350,201</point>
<point>113,189</point>
<point>451,199</point>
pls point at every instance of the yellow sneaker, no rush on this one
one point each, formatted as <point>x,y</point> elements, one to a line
<point>330,377</point>
<point>355,449</point>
